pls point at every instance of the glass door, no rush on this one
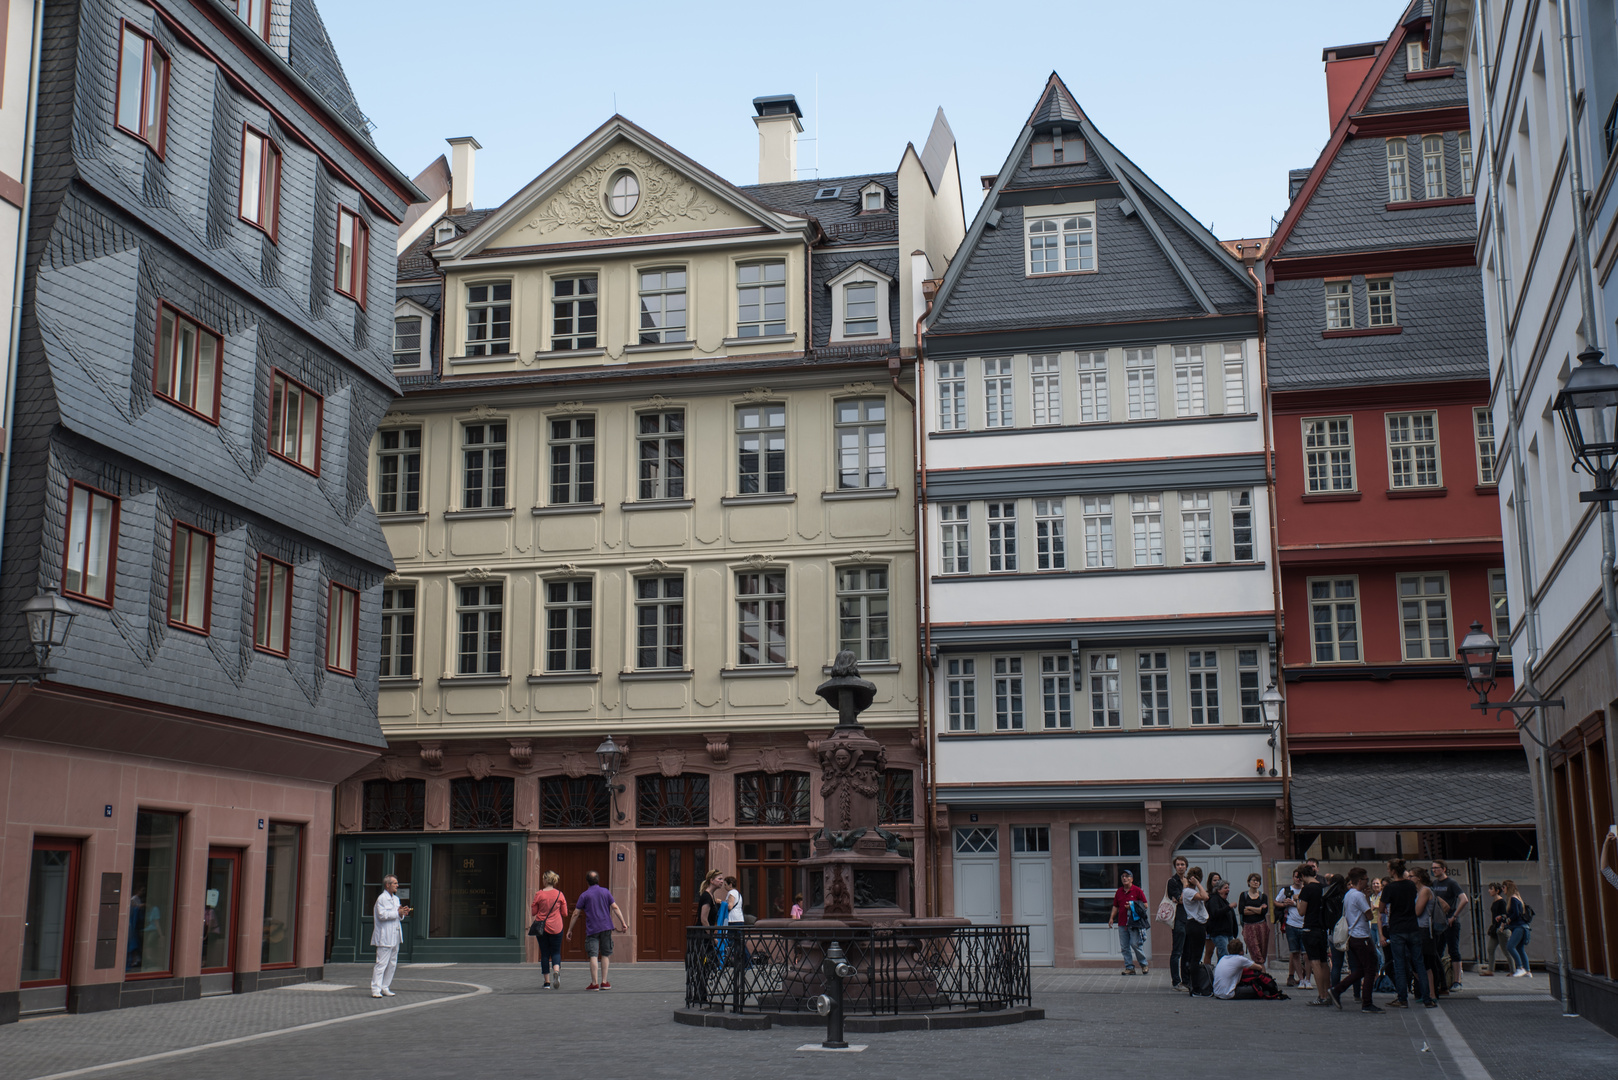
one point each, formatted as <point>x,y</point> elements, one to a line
<point>770,877</point>
<point>47,937</point>
<point>670,875</point>
<point>379,864</point>
<point>219,910</point>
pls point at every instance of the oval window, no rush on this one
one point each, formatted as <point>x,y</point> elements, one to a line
<point>623,194</point>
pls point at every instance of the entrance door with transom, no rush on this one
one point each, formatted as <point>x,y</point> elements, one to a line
<point>571,862</point>
<point>47,934</point>
<point>219,904</point>
<point>379,864</point>
<point>669,877</point>
<point>769,875</point>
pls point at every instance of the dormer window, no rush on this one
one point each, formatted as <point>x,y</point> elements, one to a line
<point>873,199</point>
<point>256,14</point>
<point>827,193</point>
<point>1415,55</point>
<point>860,305</point>
<point>443,233</point>
<point>1058,148</point>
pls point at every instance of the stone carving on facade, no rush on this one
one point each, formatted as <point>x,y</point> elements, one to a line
<point>397,418</point>
<point>568,406</point>
<point>656,566</point>
<point>665,196</point>
<point>859,388</point>
<point>770,760</point>
<point>758,561</point>
<point>433,754</point>
<point>915,739</point>
<point>813,741</point>
<point>567,567</point>
<point>391,579</point>
<point>574,765</point>
<point>846,772</point>
<point>482,412</point>
<point>657,401</point>
<point>671,762</point>
<point>1280,817</point>
<point>392,768</point>
<point>1154,822</point>
<point>757,393</point>
<point>719,815</point>
<point>480,766</point>
<point>522,753</point>
<point>478,573</point>
<point>862,556</point>
<point>719,747</point>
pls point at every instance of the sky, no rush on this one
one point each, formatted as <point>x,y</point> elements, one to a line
<point>1214,99</point>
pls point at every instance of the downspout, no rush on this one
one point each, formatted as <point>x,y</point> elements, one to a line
<point>924,597</point>
<point>894,367</point>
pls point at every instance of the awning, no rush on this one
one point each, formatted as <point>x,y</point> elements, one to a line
<point>1474,789</point>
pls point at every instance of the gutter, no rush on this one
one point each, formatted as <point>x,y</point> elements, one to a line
<point>924,600</point>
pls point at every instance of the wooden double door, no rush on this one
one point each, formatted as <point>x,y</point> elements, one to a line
<point>572,862</point>
<point>670,877</point>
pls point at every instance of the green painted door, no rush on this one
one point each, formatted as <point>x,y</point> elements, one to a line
<point>376,864</point>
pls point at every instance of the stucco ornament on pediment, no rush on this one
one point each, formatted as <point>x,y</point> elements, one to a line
<point>657,566</point>
<point>862,556</point>
<point>859,388</point>
<point>397,418</point>
<point>480,766</point>
<point>671,762</point>
<point>759,561</point>
<point>758,393</point>
<point>482,411</point>
<point>574,765</point>
<point>770,760</point>
<point>657,401</point>
<point>477,573</point>
<point>393,768</point>
<point>581,205</point>
<point>568,406</point>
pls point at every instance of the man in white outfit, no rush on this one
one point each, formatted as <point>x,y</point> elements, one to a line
<point>386,936</point>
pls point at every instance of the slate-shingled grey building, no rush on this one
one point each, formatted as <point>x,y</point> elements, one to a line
<point>205,352</point>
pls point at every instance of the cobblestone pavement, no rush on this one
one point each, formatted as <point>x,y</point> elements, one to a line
<point>493,1021</point>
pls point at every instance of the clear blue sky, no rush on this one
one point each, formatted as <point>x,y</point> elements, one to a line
<point>1215,99</point>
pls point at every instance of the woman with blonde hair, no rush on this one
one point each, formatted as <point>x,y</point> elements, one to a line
<point>1517,924</point>
<point>548,909</point>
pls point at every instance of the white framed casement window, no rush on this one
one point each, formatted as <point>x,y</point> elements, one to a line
<point>873,198</point>
<point>1340,305</point>
<point>1056,691</point>
<point>1432,167</point>
<point>859,304</point>
<point>1098,538</point>
<point>761,618</point>
<point>859,309</point>
<point>574,314</point>
<point>1050,534</point>
<point>1500,608</point>
<point>999,395</point>
<point>1424,616</point>
<point>1196,527</point>
<point>1190,383</point>
<point>1061,245</point>
<point>255,13</point>
<point>483,465</point>
<point>1106,690</point>
<point>961,693</point>
<point>861,429</point>
<point>480,614</point>
<point>951,378</point>
<point>954,541</point>
<point>660,453</point>
<point>761,449</point>
<point>569,625</point>
<point>761,299</point>
<point>1379,305</point>
<point>1202,685</point>
<point>1241,525</point>
<point>1140,374</point>
<point>1002,537</point>
<point>1328,454</point>
<point>1483,434</point>
<point>1146,516</point>
<point>398,632</point>
<point>1413,460</point>
<point>190,578</point>
<point>1152,677</point>
<point>1334,619</point>
<point>1248,688</point>
<point>1045,379</point>
<point>488,319</point>
<point>260,200</point>
<point>342,629</point>
<point>660,623</point>
<point>1235,378</point>
<point>572,460</point>
<point>398,471</point>
<point>1465,140</point>
<point>862,612</point>
<point>407,340</point>
<point>662,306</point>
<point>1094,408</point>
<point>1415,56</point>
<point>1008,698</point>
<point>1398,150</point>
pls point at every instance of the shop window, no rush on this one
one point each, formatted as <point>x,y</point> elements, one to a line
<point>468,897</point>
<point>672,801</point>
<point>395,805</point>
<point>567,802</point>
<point>898,802</point>
<point>283,867</point>
<point>149,949</point>
<point>772,799</point>
<point>481,804</point>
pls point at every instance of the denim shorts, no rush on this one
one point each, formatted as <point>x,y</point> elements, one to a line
<point>1294,939</point>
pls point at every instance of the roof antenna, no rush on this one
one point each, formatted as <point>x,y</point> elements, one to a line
<point>615,103</point>
<point>817,125</point>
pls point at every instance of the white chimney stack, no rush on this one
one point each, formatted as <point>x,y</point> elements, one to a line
<point>462,169</point>
<point>778,129</point>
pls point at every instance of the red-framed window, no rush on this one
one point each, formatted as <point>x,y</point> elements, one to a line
<point>260,203</point>
<point>143,87</point>
<point>295,415</point>
<point>90,562</point>
<point>256,14</point>
<point>272,612</point>
<point>191,578</point>
<point>352,239</point>
<point>189,363</point>
<point>342,629</point>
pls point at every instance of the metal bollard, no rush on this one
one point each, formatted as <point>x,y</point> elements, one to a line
<point>830,1005</point>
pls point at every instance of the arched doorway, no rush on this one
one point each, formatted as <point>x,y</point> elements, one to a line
<point>1223,850</point>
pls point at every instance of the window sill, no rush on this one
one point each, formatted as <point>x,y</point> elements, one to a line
<point>474,680</point>
<point>400,519</point>
<point>1417,204</point>
<point>1487,489</point>
<point>473,515</point>
<point>397,682</point>
<point>1430,73</point>
<point>884,667</point>
<point>565,509</point>
<point>852,494</point>
<point>1106,571</point>
<point>761,671</point>
<point>772,499</point>
<point>860,339</point>
<point>657,504</point>
<point>559,677</point>
<point>476,361</point>
<point>1332,496</point>
<point>662,346</point>
<point>562,354</point>
<point>671,675</point>
<point>1058,273</point>
<point>1364,331</point>
<point>767,339</point>
<point>1418,493</point>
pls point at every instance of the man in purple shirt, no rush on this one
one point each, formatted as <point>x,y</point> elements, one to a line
<point>601,916</point>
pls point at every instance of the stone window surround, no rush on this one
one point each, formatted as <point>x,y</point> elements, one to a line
<point>860,273</point>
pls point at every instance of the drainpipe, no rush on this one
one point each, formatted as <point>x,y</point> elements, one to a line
<point>924,596</point>
<point>921,652</point>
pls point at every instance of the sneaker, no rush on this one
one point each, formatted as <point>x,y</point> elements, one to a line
<point>1521,973</point>
<point>593,986</point>
<point>556,978</point>
<point>1455,986</point>
<point>1144,970</point>
<point>1371,1009</point>
<point>1127,971</point>
<point>1291,981</point>
<point>1400,1004</point>
<point>547,986</point>
<point>388,993</point>
<point>376,995</point>
<point>606,985</point>
<point>1337,999</point>
<point>1319,1004</point>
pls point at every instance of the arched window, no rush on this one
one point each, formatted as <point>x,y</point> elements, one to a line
<point>395,805</point>
<point>566,802</point>
<point>772,799</point>
<point>1216,838</point>
<point>481,804</point>
<point>672,802</point>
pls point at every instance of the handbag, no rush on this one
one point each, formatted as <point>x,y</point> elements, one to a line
<point>537,927</point>
<point>1165,911</point>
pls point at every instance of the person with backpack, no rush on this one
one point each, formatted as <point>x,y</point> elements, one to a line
<point>1403,901</point>
<point>1129,915</point>
<point>1336,888</point>
<point>1362,960</point>
<point>1312,906</point>
<point>1237,977</point>
<point>1447,889</point>
<point>1519,920</point>
<point>1194,900</point>
<point>1286,913</point>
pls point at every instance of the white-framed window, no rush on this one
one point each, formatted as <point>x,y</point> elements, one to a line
<point>862,443</point>
<point>573,460</point>
<point>480,612</point>
<point>761,299</point>
<point>955,545</point>
<point>1190,389</point>
<point>1235,378</point>
<point>1328,454</point>
<point>1098,539</point>
<point>1106,691</point>
<point>662,306</point>
<point>660,447</point>
<point>569,624</point>
<point>488,319</point>
<point>761,618</point>
<point>1099,857</point>
<point>1196,527</point>
<point>1415,56</point>
<point>407,341</point>
<point>1465,138</point>
<point>398,471</point>
<point>1152,671</point>
<point>1432,167</point>
<point>862,612</point>
<point>1008,704</point>
<point>873,198</point>
<point>623,193</point>
<point>1424,616</point>
<point>961,693</point>
<point>1334,619</point>
<point>1030,838</point>
<point>1056,691</point>
<point>1045,378</point>
<point>1248,679</point>
<point>999,396</point>
<point>859,308</point>
<point>1339,305</point>
<point>1483,433</point>
<point>1202,685</point>
<point>1002,537</point>
<point>483,465</point>
<point>1146,516</point>
<point>1398,150</point>
<point>1061,244</point>
<point>1413,450</point>
<point>1050,534</point>
<point>255,13</point>
<point>1094,408</point>
<point>660,623</point>
<point>1140,374</point>
<point>342,629</point>
<point>143,88</point>
<point>574,315</point>
<point>261,182</point>
<point>761,449</point>
<point>1241,525</point>
<point>952,395</point>
<point>398,632</point>
<point>985,841</point>
<point>1500,608</point>
<point>1379,305</point>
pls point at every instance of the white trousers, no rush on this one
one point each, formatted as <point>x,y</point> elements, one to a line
<point>387,959</point>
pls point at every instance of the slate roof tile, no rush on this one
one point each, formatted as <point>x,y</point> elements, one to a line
<point>1455,790</point>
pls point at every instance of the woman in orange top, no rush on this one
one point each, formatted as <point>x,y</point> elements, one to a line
<point>550,908</point>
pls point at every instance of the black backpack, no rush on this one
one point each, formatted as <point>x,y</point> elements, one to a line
<point>1201,981</point>
<point>1332,902</point>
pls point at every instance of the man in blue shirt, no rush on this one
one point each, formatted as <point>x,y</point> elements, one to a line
<point>601,916</point>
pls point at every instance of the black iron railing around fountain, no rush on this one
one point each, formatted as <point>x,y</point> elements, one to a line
<point>898,969</point>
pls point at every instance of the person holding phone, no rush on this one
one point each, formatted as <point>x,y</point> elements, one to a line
<point>387,935</point>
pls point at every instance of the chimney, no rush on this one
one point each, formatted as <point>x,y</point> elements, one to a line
<point>1346,66</point>
<point>462,168</point>
<point>778,128</point>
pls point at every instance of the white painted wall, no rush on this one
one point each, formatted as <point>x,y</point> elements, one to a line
<point>1087,758</point>
<point>1104,596</point>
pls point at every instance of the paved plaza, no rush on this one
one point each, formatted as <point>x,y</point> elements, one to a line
<point>492,1021</point>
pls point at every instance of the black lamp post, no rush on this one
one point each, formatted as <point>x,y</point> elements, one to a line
<point>49,618</point>
<point>1271,701</point>
<point>1480,654</point>
<point>612,759</point>
<point>1588,406</point>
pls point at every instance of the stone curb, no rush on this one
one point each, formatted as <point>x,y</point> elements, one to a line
<point>953,1021</point>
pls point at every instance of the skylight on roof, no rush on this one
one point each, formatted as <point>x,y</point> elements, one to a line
<point>828,193</point>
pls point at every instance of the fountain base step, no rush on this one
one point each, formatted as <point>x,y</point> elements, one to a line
<point>939,1021</point>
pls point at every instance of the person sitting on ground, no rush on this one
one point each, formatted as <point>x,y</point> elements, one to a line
<point>1238,978</point>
